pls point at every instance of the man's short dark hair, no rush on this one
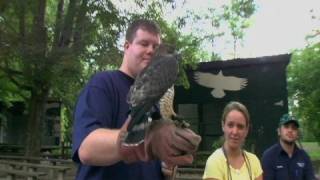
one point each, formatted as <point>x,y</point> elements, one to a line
<point>144,24</point>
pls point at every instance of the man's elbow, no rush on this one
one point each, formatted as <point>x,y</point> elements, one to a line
<point>84,156</point>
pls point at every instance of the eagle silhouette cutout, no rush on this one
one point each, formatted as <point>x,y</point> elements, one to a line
<point>220,83</point>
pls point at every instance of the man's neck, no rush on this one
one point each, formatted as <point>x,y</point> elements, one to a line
<point>124,68</point>
<point>288,147</point>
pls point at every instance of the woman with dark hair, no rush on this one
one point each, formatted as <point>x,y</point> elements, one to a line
<point>231,162</point>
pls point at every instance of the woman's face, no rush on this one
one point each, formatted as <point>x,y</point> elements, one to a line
<point>235,129</point>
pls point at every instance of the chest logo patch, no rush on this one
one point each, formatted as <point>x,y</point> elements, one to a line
<point>300,164</point>
<point>279,166</point>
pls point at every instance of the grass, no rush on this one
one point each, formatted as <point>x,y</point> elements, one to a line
<point>313,149</point>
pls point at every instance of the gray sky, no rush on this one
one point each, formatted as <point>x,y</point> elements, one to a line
<point>278,26</point>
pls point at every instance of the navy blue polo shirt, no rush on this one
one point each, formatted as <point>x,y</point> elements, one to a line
<point>103,104</point>
<point>277,165</point>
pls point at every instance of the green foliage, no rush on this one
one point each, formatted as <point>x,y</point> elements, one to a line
<point>186,45</point>
<point>237,15</point>
<point>218,143</point>
<point>304,87</point>
<point>50,48</point>
<point>313,149</point>
<point>229,18</point>
<point>9,92</point>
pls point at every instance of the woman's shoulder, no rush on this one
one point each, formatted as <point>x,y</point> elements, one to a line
<point>215,165</point>
<point>251,156</point>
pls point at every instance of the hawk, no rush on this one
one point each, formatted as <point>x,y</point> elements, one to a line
<point>220,83</point>
<point>149,86</point>
<point>166,109</point>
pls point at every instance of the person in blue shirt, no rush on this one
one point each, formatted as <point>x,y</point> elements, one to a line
<point>285,160</point>
<point>101,119</point>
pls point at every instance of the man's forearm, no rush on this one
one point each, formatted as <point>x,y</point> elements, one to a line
<point>100,148</point>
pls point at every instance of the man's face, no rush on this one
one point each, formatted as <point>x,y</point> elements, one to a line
<point>288,133</point>
<point>139,52</point>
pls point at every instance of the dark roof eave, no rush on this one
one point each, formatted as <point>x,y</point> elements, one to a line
<point>282,59</point>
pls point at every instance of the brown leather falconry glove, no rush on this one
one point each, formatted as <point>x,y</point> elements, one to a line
<point>130,153</point>
<point>163,141</point>
<point>171,144</point>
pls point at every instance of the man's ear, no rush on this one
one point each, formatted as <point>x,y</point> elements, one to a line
<point>299,133</point>
<point>278,131</point>
<point>126,45</point>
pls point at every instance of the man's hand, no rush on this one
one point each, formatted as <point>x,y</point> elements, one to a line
<point>163,141</point>
<point>130,154</point>
<point>170,144</point>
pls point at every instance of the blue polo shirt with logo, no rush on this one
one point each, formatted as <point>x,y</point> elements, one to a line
<point>277,165</point>
<point>103,104</point>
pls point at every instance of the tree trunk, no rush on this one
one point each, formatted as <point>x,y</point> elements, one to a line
<point>39,86</point>
<point>35,118</point>
<point>58,26</point>
<point>66,35</point>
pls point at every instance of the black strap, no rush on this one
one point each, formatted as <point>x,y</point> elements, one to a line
<point>229,171</point>
<point>246,160</point>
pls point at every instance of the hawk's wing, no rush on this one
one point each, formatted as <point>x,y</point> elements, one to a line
<point>149,86</point>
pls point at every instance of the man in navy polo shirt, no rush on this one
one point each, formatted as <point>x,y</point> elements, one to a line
<point>101,119</point>
<point>284,160</point>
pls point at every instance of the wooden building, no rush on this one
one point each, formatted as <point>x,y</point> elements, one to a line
<point>259,83</point>
<point>13,124</point>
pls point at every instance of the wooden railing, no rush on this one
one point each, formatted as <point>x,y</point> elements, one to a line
<point>55,171</point>
<point>61,151</point>
<point>12,174</point>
